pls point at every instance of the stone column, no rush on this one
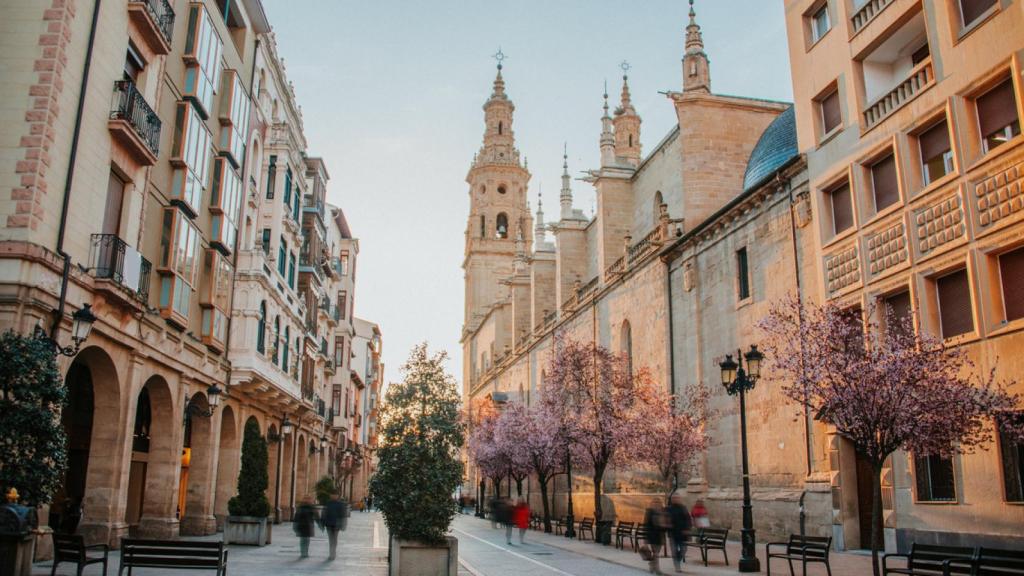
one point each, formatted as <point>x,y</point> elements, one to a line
<point>198,519</point>
<point>164,467</point>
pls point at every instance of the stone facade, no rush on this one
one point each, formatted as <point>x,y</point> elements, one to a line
<point>932,88</point>
<point>172,132</point>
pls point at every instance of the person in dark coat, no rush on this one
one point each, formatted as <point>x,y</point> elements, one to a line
<point>655,522</point>
<point>304,523</point>
<point>679,529</point>
<point>335,519</point>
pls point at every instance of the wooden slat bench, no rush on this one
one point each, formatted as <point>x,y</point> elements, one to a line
<point>72,548</point>
<point>931,559</point>
<point>996,562</point>
<point>560,524</point>
<point>712,539</point>
<point>586,525</point>
<point>174,554</point>
<point>623,532</point>
<point>803,548</point>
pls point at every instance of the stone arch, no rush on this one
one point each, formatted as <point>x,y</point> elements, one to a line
<point>162,460</point>
<point>89,494</point>
<point>659,199</point>
<point>501,225</point>
<point>229,459</point>
<point>287,500</point>
<point>198,469</point>
<point>273,449</point>
<point>301,468</point>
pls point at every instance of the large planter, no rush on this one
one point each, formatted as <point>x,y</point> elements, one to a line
<point>410,558</point>
<point>604,532</point>
<point>17,540</point>
<point>248,530</point>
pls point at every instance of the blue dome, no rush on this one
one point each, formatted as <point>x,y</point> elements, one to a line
<point>775,148</point>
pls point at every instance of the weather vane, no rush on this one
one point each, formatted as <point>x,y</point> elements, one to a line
<point>625,68</point>
<point>499,56</point>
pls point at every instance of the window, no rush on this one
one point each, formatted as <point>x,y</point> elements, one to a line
<point>339,352</point>
<point>114,204</point>
<point>287,186</point>
<point>954,292</point>
<point>884,183</point>
<point>898,313</point>
<point>271,176</point>
<point>344,262</point>
<point>190,155</point>
<point>234,116</point>
<point>1011,455</point>
<point>820,23</point>
<point>291,270</point>
<point>1011,278</point>
<point>501,189</point>
<point>971,10</point>
<point>893,63</point>
<point>501,126</point>
<point>343,303</point>
<point>179,248</point>
<point>277,338</point>
<point>284,353</point>
<point>133,64</point>
<point>997,116</point>
<point>261,329</point>
<point>831,115</point>
<point>842,207</point>
<point>502,224</point>
<point>934,479</point>
<point>282,258</point>
<point>225,201</point>
<point>336,400</point>
<point>936,152</point>
<point>216,299</point>
<point>202,59</point>
<point>265,239</point>
<point>742,275</point>
<point>483,226</point>
<point>627,345</point>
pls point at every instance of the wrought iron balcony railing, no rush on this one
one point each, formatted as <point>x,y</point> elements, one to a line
<point>130,106</point>
<point>113,259</point>
<point>162,14</point>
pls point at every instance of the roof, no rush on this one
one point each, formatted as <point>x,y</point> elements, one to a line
<point>775,148</point>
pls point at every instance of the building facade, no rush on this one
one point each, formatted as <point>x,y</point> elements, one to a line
<point>151,146</point>
<point>909,114</point>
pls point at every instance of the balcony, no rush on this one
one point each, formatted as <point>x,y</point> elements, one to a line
<point>309,263</point>
<point>115,263</point>
<point>867,12</point>
<point>155,20</point>
<point>135,125</point>
<point>920,79</point>
<point>895,71</point>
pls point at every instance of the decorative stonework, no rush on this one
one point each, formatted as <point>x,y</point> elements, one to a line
<point>887,248</point>
<point>842,269</point>
<point>1000,195</point>
<point>939,224</point>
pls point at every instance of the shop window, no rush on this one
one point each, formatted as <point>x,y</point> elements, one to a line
<point>934,479</point>
<point>1011,279</point>
<point>190,155</point>
<point>936,152</point>
<point>997,116</point>
<point>742,275</point>
<point>841,206</point>
<point>1011,456</point>
<point>203,49</point>
<point>954,295</point>
<point>225,202</point>
<point>179,249</point>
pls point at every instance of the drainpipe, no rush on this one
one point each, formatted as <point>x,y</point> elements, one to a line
<point>671,355</point>
<point>58,315</point>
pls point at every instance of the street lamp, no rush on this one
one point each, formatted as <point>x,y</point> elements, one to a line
<point>737,381</point>
<point>213,394</point>
<point>81,325</point>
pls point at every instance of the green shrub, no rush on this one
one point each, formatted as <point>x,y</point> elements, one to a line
<point>252,478</point>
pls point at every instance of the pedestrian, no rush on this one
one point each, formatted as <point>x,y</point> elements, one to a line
<point>335,519</point>
<point>505,518</point>
<point>521,517</point>
<point>494,504</point>
<point>304,523</point>
<point>700,515</point>
<point>679,529</point>
<point>655,524</point>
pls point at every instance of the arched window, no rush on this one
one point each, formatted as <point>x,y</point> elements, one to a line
<point>501,127</point>
<point>630,140</point>
<point>277,337</point>
<point>627,345</point>
<point>502,225</point>
<point>483,226</point>
<point>284,355</point>
<point>501,189</point>
<point>658,201</point>
<point>261,329</point>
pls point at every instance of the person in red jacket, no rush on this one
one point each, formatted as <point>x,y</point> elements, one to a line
<point>521,518</point>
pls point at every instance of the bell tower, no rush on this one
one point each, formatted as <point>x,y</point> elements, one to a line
<point>696,67</point>
<point>499,217</point>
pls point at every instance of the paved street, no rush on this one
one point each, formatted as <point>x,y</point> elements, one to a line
<point>482,552</point>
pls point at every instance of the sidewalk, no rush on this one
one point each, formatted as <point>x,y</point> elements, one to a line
<point>842,563</point>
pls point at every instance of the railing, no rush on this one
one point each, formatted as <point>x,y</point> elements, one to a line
<point>920,77</point>
<point>588,289</point>
<point>867,13</point>
<point>162,14</point>
<point>310,201</point>
<point>617,267</point>
<point>112,258</point>
<point>130,106</point>
<point>646,245</point>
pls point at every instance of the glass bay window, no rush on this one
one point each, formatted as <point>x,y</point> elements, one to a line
<point>203,49</point>
<point>179,249</point>
<point>234,118</point>
<point>225,202</point>
<point>190,155</point>
<point>215,299</point>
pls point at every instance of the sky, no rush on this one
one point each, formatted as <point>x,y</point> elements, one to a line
<point>391,93</point>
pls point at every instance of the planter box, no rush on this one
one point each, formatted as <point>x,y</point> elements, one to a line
<point>248,530</point>
<point>409,558</point>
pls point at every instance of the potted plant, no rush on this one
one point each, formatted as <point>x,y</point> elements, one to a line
<point>32,443</point>
<point>421,435</point>
<point>247,512</point>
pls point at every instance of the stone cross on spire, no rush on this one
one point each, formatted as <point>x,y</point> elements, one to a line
<point>499,82</point>
<point>626,103</point>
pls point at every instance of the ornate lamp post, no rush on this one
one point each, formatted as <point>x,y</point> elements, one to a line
<point>570,520</point>
<point>286,429</point>
<point>738,381</point>
<point>81,325</point>
<point>213,394</point>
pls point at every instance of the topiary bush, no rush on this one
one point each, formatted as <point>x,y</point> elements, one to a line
<point>418,466</point>
<point>252,478</point>
<point>33,445</point>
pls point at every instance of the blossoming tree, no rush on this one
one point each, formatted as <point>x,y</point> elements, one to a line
<point>883,386</point>
<point>675,432</point>
<point>509,435</point>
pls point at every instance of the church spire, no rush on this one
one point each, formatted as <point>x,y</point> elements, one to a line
<point>499,140</point>
<point>565,198</point>
<point>696,69</point>
<point>626,102</point>
<point>539,233</point>
<point>627,125</point>
<point>499,82</point>
<point>607,135</point>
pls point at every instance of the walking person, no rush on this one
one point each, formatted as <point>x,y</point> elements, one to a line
<point>335,519</point>
<point>679,529</point>
<point>505,510</point>
<point>304,523</point>
<point>521,517</point>
<point>655,524</point>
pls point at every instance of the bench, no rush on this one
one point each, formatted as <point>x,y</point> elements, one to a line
<point>803,548</point>
<point>996,562</point>
<point>931,559</point>
<point>560,524</point>
<point>712,539</point>
<point>72,548</point>
<point>641,536</point>
<point>623,532</point>
<point>174,554</point>
<point>586,525</point>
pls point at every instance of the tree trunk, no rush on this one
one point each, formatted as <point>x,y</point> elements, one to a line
<point>598,509</point>
<point>543,481</point>
<point>876,516</point>
<point>497,487</point>
<point>519,487</point>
